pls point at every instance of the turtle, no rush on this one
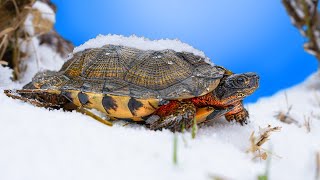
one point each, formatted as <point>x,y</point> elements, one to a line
<point>162,89</point>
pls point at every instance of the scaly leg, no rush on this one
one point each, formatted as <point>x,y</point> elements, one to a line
<point>238,113</point>
<point>174,116</point>
<point>212,114</point>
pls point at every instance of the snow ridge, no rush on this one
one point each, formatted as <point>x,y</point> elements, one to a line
<point>139,43</point>
<point>46,11</point>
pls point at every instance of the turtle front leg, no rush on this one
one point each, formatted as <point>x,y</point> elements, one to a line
<point>239,114</point>
<point>175,116</point>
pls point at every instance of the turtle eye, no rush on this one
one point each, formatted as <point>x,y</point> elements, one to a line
<point>240,80</point>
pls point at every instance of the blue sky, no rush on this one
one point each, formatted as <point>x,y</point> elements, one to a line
<point>243,36</point>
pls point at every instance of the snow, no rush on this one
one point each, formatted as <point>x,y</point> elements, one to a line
<point>139,43</point>
<point>42,58</point>
<point>42,144</point>
<point>28,25</point>
<point>37,143</point>
<point>46,11</point>
<point>37,57</point>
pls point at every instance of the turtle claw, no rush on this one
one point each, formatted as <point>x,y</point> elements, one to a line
<point>240,117</point>
<point>152,119</point>
<point>173,123</point>
<point>178,121</point>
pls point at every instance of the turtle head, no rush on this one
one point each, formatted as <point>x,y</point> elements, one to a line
<point>236,87</point>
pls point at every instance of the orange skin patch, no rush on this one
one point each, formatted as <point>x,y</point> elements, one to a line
<point>209,100</point>
<point>168,109</point>
<point>203,113</point>
<point>172,106</point>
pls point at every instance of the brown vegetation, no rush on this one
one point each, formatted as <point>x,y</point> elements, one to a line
<point>305,16</point>
<point>257,141</point>
<point>13,14</point>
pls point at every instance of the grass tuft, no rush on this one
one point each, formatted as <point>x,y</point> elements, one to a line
<point>175,149</point>
<point>194,128</point>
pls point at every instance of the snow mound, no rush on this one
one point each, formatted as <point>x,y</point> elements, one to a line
<point>46,11</point>
<point>6,74</point>
<point>38,56</point>
<point>42,58</point>
<point>6,80</point>
<point>139,43</point>
<point>42,144</point>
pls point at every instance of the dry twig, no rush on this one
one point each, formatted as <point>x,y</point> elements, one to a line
<point>285,116</point>
<point>318,165</point>
<point>257,142</point>
<point>12,16</point>
<point>307,123</point>
<point>305,16</point>
<point>3,63</point>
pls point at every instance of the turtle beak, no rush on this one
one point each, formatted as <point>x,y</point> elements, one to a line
<point>254,80</point>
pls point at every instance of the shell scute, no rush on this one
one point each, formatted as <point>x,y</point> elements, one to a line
<point>125,71</point>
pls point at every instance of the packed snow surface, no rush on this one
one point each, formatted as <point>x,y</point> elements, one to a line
<point>139,43</point>
<point>42,144</point>
<point>38,144</point>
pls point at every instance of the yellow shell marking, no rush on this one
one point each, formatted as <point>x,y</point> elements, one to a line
<point>119,105</point>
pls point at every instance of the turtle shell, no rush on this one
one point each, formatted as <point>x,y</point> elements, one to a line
<point>121,70</point>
